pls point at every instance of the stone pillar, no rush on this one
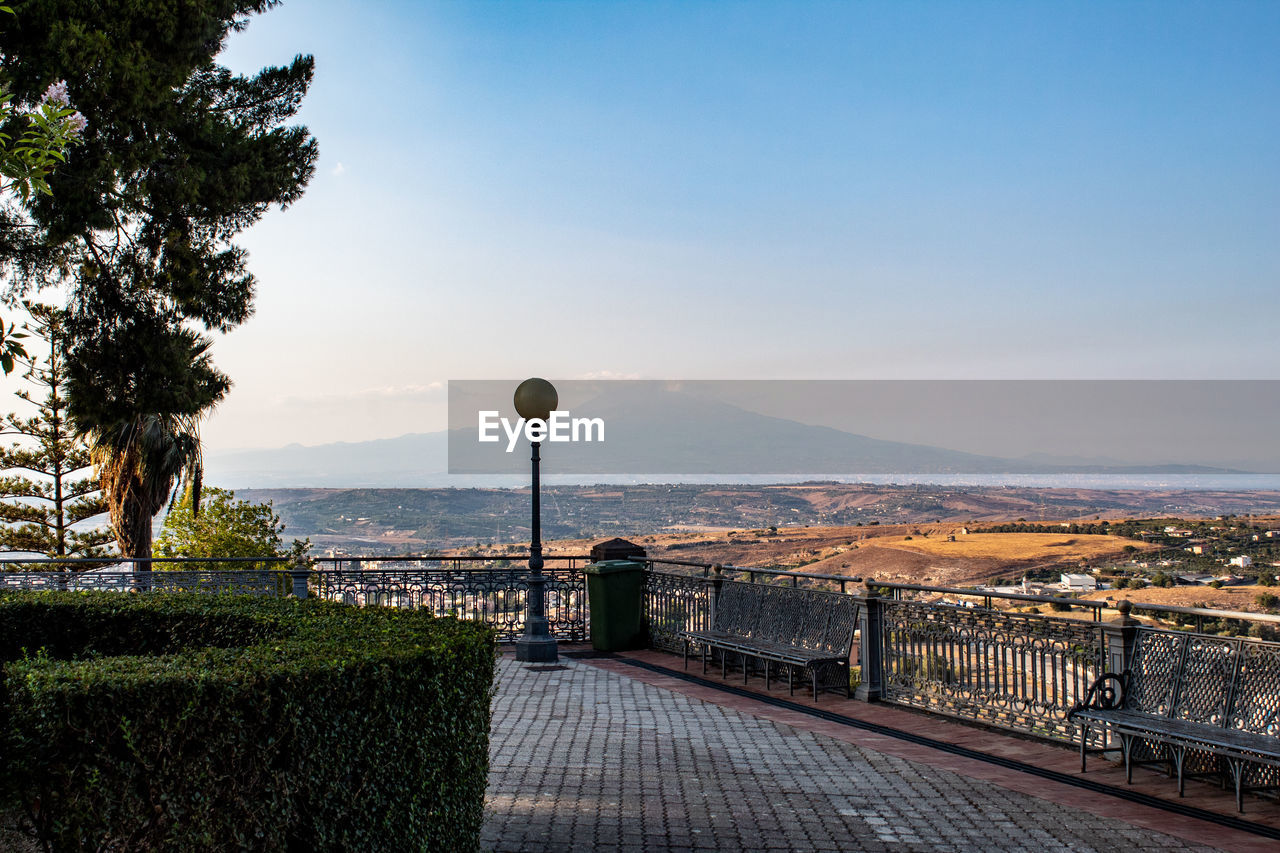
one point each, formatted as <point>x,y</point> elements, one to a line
<point>871,645</point>
<point>717,584</point>
<point>300,571</point>
<point>617,549</point>
<point>1118,638</point>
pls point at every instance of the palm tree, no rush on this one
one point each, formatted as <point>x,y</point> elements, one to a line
<point>138,386</point>
<point>141,464</point>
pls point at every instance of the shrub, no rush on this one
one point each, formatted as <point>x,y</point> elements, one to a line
<point>192,721</point>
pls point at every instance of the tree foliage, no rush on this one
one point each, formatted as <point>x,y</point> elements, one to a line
<point>42,495</point>
<point>179,155</point>
<point>224,527</point>
<point>33,140</point>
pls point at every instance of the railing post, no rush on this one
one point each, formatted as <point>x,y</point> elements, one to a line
<point>870,645</point>
<point>1118,638</point>
<point>300,572</point>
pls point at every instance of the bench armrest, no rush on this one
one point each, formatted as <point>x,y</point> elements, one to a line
<point>1105,694</point>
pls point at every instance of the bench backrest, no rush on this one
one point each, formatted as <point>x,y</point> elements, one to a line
<point>1153,672</point>
<point>1256,705</point>
<point>1219,681</point>
<point>737,610</point>
<point>801,618</point>
<point>1204,686</point>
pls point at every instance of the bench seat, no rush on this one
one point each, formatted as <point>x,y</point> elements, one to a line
<point>807,630</point>
<point>1191,694</point>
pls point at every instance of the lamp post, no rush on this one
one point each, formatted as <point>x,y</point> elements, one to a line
<point>536,398</point>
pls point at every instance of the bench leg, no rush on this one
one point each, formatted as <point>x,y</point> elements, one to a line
<point>1084,744</point>
<point>791,687</point>
<point>1179,757</point>
<point>744,667</point>
<point>1126,747</point>
<point>1237,776</point>
<point>766,675</point>
<point>813,675</point>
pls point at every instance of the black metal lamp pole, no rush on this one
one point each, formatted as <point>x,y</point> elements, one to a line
<point>536,398</point>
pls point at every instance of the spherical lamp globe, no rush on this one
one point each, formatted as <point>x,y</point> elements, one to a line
<point>536,399</point>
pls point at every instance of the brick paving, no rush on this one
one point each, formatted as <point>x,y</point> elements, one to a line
<point>586,758</point>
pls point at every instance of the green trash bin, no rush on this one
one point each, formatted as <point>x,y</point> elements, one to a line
<point>615,594</point>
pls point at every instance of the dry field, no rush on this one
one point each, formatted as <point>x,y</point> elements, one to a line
<point>882,552</point>
<point>1240,598</point>
<point>1015,547</point>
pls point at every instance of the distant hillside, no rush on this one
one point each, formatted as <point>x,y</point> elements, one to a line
<point>668,432</point>
<point>415,460</point>
<point>383,521</point>
<point>712,440</point>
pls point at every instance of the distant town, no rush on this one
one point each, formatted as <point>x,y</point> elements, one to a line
<point>1219,549</point>
<point>397,521</point>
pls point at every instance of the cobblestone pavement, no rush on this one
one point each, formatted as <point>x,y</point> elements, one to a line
<point>584,759</point>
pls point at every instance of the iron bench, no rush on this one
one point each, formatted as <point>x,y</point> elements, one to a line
<point>1215,697</point>
<point>803,629</point>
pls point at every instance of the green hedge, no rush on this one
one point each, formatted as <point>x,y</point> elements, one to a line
<point>187,721</point>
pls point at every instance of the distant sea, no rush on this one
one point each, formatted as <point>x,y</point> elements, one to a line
<point>1149,482</point>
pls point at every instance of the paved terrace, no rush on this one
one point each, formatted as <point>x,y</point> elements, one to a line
<point>598,753</point>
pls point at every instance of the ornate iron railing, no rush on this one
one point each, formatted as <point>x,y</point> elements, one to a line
<point>245,582</point>
<point>1015,671</point>
<point>241,575</point>
<point>490,589</point>
<point>679,595</point>
<point>755,574</point>
<point>466,587</point>
<point>675,602</point>
<point>1202,619</point>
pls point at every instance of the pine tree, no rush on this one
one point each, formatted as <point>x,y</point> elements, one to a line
<point>178,156</point>
<point>41,496</point>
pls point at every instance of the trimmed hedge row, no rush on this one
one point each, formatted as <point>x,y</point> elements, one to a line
<point>182,721</point>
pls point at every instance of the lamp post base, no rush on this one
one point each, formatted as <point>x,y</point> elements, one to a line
<point>537,650</point>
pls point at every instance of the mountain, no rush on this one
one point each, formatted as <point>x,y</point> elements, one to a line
<point>656,432</point>
<point>661,431</point>
<point>413,460</point>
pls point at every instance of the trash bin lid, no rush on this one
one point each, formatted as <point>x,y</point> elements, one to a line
<point>609,567</point>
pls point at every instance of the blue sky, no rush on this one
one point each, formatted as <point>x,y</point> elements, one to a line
<point>758,190</point>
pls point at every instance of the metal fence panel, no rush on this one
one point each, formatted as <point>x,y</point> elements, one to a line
<point>493,596</point>
<point>246,582</point>
<point>1015,671</point>
<point>674,603</point>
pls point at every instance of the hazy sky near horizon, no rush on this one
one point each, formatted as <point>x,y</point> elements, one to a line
<point>757,190</point>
